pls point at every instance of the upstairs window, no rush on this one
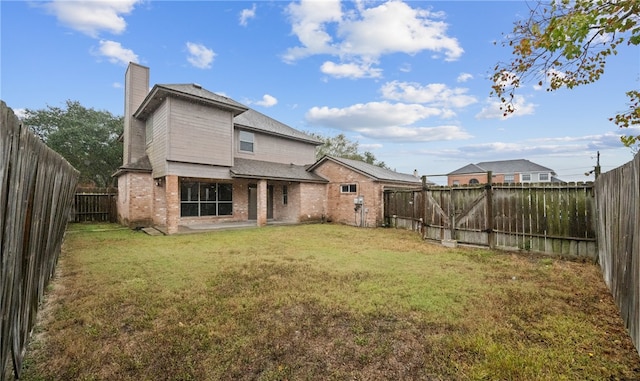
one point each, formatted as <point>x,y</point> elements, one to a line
<point>544,177</point>
<point>526,177</point>
<point>246,141</point>
<point>509,178</point>
<point>348,188</point>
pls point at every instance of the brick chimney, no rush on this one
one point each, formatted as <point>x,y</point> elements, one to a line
<point>136,87</point>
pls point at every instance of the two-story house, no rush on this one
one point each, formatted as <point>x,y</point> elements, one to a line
<point>194,157</point>
<point>504,171</point>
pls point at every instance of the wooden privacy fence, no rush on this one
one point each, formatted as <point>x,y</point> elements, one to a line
<point>549,218</point>
<point>36,193</point>
<point>95,205</point>
<point>618,205</point>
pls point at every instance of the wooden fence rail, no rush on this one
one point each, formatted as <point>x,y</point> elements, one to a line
<point>618,205</point>
<point>599,221</point>
<point>36,193</point>
<point>95,205</point>
<point>548,218</point>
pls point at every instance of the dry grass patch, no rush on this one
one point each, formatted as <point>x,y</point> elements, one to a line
<point>321,302</point>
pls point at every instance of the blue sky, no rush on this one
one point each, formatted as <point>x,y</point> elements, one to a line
<point>408,80</point>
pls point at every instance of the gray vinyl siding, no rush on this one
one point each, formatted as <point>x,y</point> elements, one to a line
<point>199,134</point>
<point>277,149</point>
<point>198,170</point>
<point>157,147</point>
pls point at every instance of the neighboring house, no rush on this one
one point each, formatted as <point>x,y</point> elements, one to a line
<point>192,157</point>
<point>504,171</point>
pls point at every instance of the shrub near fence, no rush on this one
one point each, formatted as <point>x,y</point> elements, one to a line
<point>36,193</point>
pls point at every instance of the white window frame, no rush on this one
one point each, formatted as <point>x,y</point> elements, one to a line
<point>348,188</point>
<point>246,141</point>
<point>545,175</point>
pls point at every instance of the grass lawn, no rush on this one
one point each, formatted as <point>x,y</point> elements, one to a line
<point>320,302</point>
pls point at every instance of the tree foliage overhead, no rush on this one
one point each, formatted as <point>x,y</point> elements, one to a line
<point>566,43</point>
<point>87,138</point>
<point>341,146</point>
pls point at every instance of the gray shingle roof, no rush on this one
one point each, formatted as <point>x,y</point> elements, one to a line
<point>255,169</point>
<point>253,120</point>
<point>243,115</point>
<point>190,91</point>
<point>502,167</point>
<point>373,171</point>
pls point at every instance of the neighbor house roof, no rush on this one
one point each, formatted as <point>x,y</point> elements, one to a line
<point>502,167</point>
<point>191,92</point>
<point>370,170</point>
<point>256,169</point>
<point>253,120</point>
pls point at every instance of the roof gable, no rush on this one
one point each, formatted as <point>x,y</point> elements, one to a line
<point>370,170</point>
<point>254,120</point>
<point>190,92</point>
<point>502,167</point>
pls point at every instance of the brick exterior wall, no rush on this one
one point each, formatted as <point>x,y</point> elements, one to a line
<point>481,177</point>
<point>172,189</point>
<point>312,202</point>
<point>135,199</point>
<point>340,206</point>
<point>160,202</point>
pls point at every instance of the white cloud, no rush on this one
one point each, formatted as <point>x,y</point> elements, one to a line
<point>492,109</point>
<point>21,113</point>
<point>115,53</point>
<point>92,17</point>
<point>363,34</point>
<point>350,70</point>
<point>395,27</point>
<point>372,114</point>
<point>247,14</point>
<point>416,134</point>
<point>200,56</point>
<point>384,120</point>
<point>117,85</point>
<point>308,22</point>
<point>435,94</point>
<point>267,101</point>
<point>464,77</point>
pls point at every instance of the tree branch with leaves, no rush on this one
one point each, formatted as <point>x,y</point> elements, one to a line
<point>566,43</point>
<point>87,138</point>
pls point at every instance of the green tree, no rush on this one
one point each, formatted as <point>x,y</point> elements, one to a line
<point>566,43</point>
<point>87,138</point>
<point>341,146</point>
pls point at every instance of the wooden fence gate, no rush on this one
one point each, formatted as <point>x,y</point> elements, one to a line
<point>547,218</point>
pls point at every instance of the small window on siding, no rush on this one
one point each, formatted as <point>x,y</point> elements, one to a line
<point>246,141</point>
<point>474,181</point>
<point>544,177</point>
<point>526,177</point>
<point>348,188</point>
<point>509,178</point>
<point>285,195</point>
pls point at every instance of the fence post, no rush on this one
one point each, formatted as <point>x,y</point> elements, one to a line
<point>489,192</point>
